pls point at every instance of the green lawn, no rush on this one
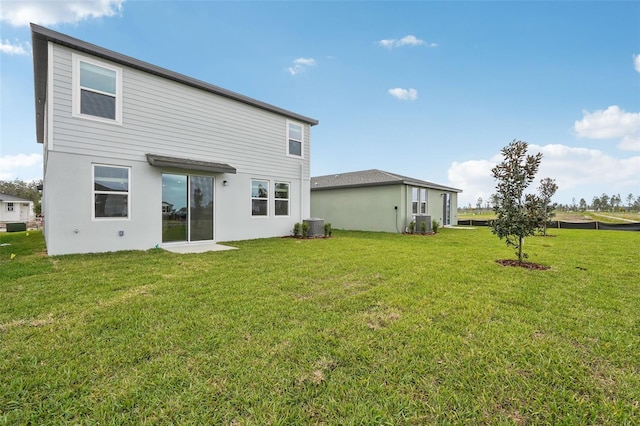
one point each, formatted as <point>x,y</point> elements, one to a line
<point>362,328</point>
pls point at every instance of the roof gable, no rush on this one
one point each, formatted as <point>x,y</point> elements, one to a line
<point>372,177</point>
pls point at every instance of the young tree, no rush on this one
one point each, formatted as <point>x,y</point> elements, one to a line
<point>547,190</point>
<point>479,203</point>
<point>517,216</point>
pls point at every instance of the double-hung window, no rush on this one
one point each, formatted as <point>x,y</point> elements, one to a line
<point>9,207</point>
<point>295,139</point>
<point>419,200</point>
<point>259,197</point>
<point>97,90</point>
<point>111,185</point>
<point>281,199</point>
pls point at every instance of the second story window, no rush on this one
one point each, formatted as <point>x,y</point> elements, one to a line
<point>97,90</point>
<point>295,139</point>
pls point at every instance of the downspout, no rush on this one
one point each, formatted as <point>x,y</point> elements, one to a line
<point>302,191</point>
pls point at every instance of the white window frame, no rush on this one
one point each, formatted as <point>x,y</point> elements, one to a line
<point>259,198</point>
<point>94,192</point>
<point>77,90</point>
<point>289,138</point>
<point>276,199</point>
<point>9,207</point>
<point>419,198</point>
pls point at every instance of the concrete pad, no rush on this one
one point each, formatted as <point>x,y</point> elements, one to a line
<point>196,247</point>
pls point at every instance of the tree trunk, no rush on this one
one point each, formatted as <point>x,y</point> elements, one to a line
<point>520,249</point>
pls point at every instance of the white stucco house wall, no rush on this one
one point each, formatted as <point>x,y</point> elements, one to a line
<point>137,156</point>
<point>16,209</point>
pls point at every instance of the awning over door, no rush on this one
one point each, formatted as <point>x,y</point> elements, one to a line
<point>186,164</point>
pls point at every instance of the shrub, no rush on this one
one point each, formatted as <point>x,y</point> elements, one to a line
<point>296,229</point>
<point>305,229</point>
<point>412,227</point>
<point>423,227</point>
<point>435,225</point>
<point>327,230</point>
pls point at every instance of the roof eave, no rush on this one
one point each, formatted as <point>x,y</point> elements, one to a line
<point>397,182</point>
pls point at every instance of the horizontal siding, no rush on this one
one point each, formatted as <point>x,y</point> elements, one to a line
<point>167,118</point>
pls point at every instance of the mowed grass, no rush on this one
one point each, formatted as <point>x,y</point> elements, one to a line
<point>362,328</point>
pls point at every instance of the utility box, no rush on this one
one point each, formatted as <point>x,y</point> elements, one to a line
<point>16,227</point>
<point>316,227</point>
<point>420,219</point>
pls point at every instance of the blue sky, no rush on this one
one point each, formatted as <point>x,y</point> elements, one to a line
<point>432,90</point>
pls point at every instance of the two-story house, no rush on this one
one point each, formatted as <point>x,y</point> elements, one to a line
<point>137,156</point>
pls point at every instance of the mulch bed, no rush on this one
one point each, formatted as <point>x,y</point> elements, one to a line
<point>526,265</point>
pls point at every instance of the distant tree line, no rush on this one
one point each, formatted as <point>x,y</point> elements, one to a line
<point>603,203</point>
<point>19,188</point>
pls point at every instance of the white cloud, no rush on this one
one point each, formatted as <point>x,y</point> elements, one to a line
<point>10,164</point>
<point>301,65</point>
<point>404,94</point>
<point>579,172</point>
<point>408,40</point>
<point>15,49</point>
<point>21,13</point>
<point>636,62</point>
<point>612,123</point>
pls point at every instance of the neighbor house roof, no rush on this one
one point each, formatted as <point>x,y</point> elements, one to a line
<point>373,177</point>
<point>12,198</point>
<point>42,36</point>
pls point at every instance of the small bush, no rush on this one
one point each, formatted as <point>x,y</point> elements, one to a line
<point>435,225</point>
<point>412,227</point>
<point>296,229</point>
<point>305,229</point>
<point>327,230</point>
<point>423,227</point>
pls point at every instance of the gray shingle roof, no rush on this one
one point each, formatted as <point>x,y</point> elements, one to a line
<point>373,177</point>
<point>41,36</point>
<point>12,198</point>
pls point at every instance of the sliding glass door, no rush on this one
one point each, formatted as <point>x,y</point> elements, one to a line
<point>187,208</point>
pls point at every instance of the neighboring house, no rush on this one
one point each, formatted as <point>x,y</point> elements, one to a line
<point>16,209</point>
<point>375,200</point>
<point>137,156</point>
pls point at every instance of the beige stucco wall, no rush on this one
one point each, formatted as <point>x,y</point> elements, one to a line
<point>364,208</point>
<point>374,208</point>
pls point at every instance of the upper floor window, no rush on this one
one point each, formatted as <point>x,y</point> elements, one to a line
<point>259,198</point>
<point>97,90</point>
<point>281,199</point>
<point>295,139</point>
<point>110,191</point>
